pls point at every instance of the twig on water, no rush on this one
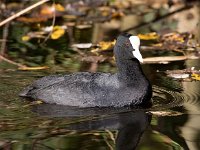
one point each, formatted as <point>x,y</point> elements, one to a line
<point>22,12</point>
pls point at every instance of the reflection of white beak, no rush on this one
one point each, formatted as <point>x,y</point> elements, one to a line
<point>138,55</point>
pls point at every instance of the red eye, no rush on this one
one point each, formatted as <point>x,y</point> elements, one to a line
<point>127,43</point>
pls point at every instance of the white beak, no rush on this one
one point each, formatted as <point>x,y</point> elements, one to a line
<point>135,42</point>
<point>138,55</point>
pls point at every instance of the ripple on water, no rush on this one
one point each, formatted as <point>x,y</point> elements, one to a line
<point>192,92</point>
<point>165,99</point>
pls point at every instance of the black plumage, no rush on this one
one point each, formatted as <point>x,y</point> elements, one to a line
<point>127,87</point>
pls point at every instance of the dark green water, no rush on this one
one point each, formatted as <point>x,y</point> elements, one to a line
<point>173,124</point>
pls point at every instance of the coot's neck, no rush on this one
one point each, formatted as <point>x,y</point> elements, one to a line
<point>129,70</point>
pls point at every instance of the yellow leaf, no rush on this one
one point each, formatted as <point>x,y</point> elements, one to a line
<point>149,36</point>
<point>196,76</point>
<point>33,68</point>
<point>157,45</point>
<point>37,102</point>
<point>25,38</point>
<point>106,45</point>
<point>59,7</point>
<point>57,32</point>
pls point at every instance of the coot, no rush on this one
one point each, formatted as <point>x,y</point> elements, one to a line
<point>127,87</point>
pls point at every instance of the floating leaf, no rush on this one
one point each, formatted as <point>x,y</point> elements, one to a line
<point>58,31</point>
<point>106,45</point>
<point>196,76</point>
<point>59,7</point>
<point>148,36</point>
<point>33,68</point>
<point>25,38</point>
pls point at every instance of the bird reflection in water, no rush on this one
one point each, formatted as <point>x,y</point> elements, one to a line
<point>130,124</point>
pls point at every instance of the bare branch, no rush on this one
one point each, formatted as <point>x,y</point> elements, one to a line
<point>22,12</point>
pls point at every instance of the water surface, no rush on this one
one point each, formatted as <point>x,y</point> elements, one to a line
<point>171,123</point>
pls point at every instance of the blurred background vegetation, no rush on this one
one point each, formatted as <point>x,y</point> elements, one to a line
<point>51,34</point>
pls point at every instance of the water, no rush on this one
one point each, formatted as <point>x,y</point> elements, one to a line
<point>171,123</point>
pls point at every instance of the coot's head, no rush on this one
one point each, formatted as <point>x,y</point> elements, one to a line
<point>127,47</point>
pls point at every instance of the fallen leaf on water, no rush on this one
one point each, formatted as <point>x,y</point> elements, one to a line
<point>59,7</point>
<point>25,38</point>
<point>106,45</point>
<point>188,74</point>
<point>195,76</point>
<point>58,31</point>
<point>149,36</point>
<point>33,68</point>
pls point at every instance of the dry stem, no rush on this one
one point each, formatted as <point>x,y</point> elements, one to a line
<point>22,12</point>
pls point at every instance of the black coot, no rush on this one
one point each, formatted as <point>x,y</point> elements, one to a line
<point>127,87</point>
